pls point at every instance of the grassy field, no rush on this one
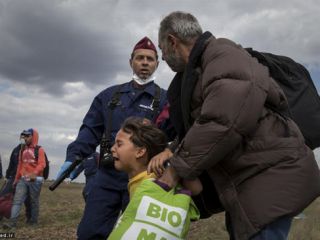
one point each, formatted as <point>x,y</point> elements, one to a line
<point>61,210</point>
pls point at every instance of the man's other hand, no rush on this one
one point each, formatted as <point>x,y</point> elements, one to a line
<point>156,163</point>
<point>170,177</point>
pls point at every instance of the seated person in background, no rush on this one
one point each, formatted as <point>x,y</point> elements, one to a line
<point>135,144</point>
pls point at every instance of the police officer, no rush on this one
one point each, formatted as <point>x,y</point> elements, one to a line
<point>140,97</point>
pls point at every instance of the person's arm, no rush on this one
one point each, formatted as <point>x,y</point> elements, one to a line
<point>90,132</point>
<point>10,173</point>
<point>156,164</point>
<point>89,135</point>
<point>19,169</point>
<point>194,186</point>
<point>41,164</point>
<point>232,104</point>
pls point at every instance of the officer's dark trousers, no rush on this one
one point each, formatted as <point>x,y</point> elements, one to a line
<point>87,188</point>
<point>103,206</point>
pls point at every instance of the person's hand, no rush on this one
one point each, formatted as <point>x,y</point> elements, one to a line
<point>170,177</point>
<point>32,177</point>
<point>63,168</point>
<point>156,163</point>
<point>195,186</point>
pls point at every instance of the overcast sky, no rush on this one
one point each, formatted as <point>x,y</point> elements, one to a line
<point>56,55</point>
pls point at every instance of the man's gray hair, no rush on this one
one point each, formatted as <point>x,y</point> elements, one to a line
<point>182,25</point>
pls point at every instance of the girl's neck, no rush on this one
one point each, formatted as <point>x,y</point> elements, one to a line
<point>137,170</point>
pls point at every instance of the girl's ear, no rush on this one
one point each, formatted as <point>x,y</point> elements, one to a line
<point>141,152</point>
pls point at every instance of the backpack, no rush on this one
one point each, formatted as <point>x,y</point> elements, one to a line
<point>302,96</point>
<point>46,169</point>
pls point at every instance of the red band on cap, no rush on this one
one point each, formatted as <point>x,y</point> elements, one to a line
<point>145,43</point>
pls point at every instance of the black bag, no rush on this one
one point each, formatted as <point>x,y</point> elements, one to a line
<point>46,169</point>
<point>303,98</point>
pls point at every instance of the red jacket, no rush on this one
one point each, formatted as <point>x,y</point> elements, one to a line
<point>27,161</point>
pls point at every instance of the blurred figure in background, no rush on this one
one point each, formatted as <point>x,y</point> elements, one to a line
<point>11,173</point>
<point>29,178</point>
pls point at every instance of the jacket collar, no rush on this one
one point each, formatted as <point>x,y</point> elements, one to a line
<point>198,49</point>
<point>191,76</point>
<point>148,88</point>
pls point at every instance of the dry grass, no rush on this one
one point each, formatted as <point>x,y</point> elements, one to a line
<point>302,229</point>
<point>61,210</point>
<point>60,213</point>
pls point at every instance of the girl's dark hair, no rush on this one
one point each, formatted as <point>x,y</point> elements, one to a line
<point>145,134</point>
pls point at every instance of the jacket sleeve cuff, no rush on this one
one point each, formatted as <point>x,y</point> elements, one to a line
<point>173,145</point>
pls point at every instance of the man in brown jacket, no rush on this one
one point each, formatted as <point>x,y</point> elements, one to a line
<point>251,160</point>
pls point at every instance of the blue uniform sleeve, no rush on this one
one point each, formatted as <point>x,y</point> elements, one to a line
<point>90,132</point>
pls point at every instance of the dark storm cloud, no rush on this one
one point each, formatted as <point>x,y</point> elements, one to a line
<point>50,43</point>
<point>45,44</point>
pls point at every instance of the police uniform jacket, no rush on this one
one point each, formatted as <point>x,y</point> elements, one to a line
<point>132,102</point>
